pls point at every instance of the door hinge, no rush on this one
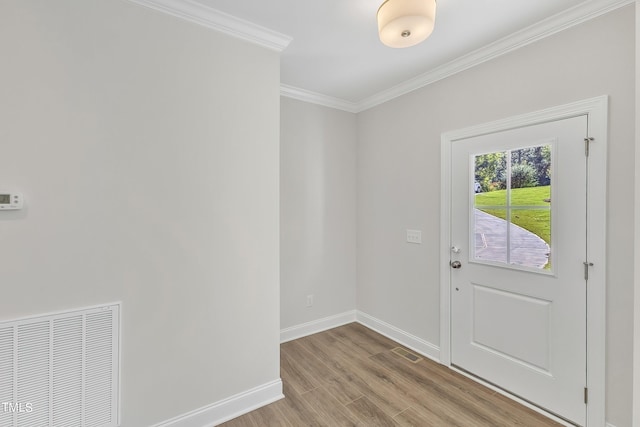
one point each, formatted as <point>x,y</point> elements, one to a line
<point>587,142</point>
<point>586,395</point>
<point>586,269</point>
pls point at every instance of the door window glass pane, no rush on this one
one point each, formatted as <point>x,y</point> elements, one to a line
<point>526,248</point>
<point>531,176</point>
<point>489,178</point>
<point>490,235</point>
<point>512,207</point>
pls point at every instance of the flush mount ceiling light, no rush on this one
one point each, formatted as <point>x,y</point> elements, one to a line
<point>404,23</point>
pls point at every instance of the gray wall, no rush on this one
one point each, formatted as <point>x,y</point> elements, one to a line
<point>317,211</point>
<point>147,149</point>
<point>399,176</point>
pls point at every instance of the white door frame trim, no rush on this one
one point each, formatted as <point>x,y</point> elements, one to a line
<point>597,111</point>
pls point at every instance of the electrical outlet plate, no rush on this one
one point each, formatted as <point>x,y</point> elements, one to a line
<point>414,236</point>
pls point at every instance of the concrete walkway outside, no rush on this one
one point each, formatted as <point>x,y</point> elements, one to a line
<point>527,249</point>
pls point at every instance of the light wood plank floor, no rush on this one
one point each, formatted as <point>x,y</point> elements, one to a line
<point>349,376</point>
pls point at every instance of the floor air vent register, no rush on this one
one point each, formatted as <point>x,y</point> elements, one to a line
<point>411,357</point>
<point>60,370</point>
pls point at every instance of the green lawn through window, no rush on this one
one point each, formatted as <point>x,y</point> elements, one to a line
<point>535,220</point>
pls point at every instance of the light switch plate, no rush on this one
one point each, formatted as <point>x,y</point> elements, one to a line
<point>414,236</point>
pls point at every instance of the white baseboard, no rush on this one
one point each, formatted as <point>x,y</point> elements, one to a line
<point>411,341</point>
<point>423,347</point>
<point>227,409</point>
<point>315,326</point>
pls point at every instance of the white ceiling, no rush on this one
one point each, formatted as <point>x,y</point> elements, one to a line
<point>335,53</point>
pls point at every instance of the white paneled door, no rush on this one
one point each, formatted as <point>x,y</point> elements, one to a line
<point>519,245</point>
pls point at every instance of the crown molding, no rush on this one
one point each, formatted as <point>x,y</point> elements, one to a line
<point>318,98</point>
<point>198,13</point>
<point>545,28</point>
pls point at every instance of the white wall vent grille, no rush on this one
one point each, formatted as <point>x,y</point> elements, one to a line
<point>61,370</point>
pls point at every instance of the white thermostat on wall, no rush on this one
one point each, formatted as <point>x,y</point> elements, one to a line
<point>10,200</point>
